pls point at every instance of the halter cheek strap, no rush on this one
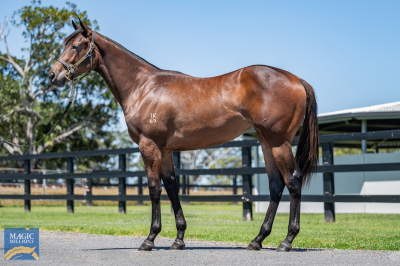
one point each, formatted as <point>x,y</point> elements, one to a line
<point>71,68</point>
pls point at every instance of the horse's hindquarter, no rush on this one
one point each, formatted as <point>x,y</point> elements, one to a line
<point>274,99</point>
<point>185,113</point>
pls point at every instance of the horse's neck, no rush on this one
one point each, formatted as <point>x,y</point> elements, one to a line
<point>123,71</point>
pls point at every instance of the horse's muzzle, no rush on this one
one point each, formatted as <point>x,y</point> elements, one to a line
<point>55,79</point>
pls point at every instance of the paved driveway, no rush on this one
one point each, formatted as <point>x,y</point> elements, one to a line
<point>58,248</point>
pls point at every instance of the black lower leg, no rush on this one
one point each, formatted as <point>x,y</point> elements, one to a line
<point>276,188</point>
<point>155,228</point>
<point>155,193</point>
<point>294,219</point>
<point>172,190</point>
<point>294,187</point>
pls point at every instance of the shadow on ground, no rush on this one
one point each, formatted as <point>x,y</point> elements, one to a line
<point>208,248</point>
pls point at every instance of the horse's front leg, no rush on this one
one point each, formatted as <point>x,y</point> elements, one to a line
<point>151,155</point>
<point>168,177</point>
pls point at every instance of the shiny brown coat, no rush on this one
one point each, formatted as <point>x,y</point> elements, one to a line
<point>169,111</point>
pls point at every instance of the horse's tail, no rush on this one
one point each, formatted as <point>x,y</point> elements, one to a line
<point>308,145</point>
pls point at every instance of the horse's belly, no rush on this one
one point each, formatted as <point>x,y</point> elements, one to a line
<point>197,135</point>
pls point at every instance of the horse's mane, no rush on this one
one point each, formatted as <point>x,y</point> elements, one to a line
<point>126,50</point>
<point>72,35</point>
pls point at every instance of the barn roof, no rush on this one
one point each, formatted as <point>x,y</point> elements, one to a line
<point>378,117</point>
<point>381,111</point>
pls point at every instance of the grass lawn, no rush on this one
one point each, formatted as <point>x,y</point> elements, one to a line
<point>215,223</point>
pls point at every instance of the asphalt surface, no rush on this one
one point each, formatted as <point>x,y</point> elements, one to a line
<point>58,248</point>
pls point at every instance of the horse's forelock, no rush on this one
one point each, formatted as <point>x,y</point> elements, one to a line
<point>71,36</point>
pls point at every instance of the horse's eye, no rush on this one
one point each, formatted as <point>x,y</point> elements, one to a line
<point>75,47</point>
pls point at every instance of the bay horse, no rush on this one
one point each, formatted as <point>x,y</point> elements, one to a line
<point>169,111</point>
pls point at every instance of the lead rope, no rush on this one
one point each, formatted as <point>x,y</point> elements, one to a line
<point>71,70</point>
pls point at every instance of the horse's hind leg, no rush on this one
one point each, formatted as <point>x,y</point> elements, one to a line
<point>168,177</point>
<point>276,186</point>
<point>293,178</point>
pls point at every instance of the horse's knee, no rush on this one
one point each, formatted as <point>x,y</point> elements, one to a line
<point>155,192</point>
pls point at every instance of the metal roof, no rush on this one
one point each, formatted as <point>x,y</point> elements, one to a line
<point>381,111</point>
<point>379,117</point>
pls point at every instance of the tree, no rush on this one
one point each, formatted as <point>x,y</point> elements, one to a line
<point>30,106</point>
<point>211,159</point>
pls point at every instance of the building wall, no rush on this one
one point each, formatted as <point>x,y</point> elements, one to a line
<point>359,183</point>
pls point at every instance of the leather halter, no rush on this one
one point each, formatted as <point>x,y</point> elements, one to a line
<point>71,68</point>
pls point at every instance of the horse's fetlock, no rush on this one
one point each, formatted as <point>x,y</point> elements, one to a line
<point>266,230</point>
<point>181,226</point>
<point>294,229</point>
<point>155,228</point>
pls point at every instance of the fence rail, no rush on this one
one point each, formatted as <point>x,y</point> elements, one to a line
<point>215,198</point>
<point>246,171</point>
<point>340,168</point>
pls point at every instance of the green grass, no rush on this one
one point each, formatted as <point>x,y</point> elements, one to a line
<point>215,223</point>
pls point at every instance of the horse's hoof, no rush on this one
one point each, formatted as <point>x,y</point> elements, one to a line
<point>254,246</point>
<point>178,245</point>
<point>284,247</point>
<point>146,246</point>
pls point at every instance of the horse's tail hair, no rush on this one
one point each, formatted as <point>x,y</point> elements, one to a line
<point>308,146</point>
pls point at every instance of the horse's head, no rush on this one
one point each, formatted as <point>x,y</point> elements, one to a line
<point>77,46</point>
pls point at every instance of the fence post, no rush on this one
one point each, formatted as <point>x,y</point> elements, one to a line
<point>27,170</point>
<point>89,187</point>
<point>234,186</point>
<point>70,185</point>
<point>329,181</point>
<point>183,185</point>
<point>178,181</point>
<point>176,157</point>
<point>140,188</point>
<point>247,185</point>
<point>122,182</point>
<point>187,185</point>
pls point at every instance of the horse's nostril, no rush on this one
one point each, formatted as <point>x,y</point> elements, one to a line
<point>52,75</point>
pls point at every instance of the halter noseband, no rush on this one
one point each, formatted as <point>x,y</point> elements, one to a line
<point>71,69</point>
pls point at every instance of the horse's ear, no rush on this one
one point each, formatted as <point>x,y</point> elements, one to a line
<point>74,25</point>
<point>86,31</point>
